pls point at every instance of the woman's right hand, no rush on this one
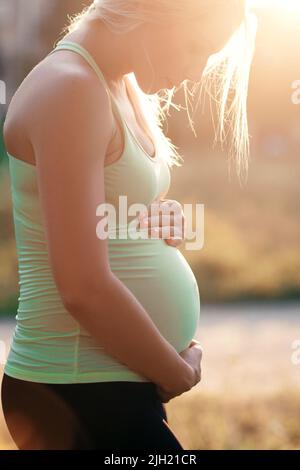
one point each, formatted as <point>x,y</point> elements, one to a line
<point>193,356</point>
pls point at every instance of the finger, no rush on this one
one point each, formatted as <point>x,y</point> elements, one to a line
<point>162,395</point>
<point>159,220</point>
<point>172,203</point>
<point>173,243</point>
<point>194,341</point>
<point>170,227</point>
<point>176,233</point>
<point>166,233</point>
<point>154,232</point>
<point>169,206</point>
<point>165,398</point>
<point>163,205</point>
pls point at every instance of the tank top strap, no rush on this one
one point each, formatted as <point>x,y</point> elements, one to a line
<point>74,46</point>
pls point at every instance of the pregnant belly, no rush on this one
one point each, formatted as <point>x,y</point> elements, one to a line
<point>161,279</point>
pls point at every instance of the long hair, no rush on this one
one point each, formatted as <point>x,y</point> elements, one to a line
<point>225,78</point>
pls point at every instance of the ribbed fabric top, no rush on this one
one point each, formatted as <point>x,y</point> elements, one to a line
<point>48,344</point>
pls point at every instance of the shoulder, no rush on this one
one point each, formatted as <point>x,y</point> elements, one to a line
<point>62,90</point>
<point>58,83</point>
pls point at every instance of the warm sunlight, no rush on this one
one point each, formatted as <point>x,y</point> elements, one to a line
<point>173,127</point>
<point>285,4</point>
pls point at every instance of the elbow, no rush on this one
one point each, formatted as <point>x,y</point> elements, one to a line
<point>79,298</point>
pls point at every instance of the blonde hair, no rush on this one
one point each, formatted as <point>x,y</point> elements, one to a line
<point>225,77</point>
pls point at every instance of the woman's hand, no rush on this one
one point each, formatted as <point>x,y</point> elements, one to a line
<point>193,356</point>
<point>167,221</point>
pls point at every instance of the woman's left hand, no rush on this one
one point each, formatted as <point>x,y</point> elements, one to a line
<point>166,225</point>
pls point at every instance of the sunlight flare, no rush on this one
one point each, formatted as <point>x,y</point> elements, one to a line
<point>293,5</point>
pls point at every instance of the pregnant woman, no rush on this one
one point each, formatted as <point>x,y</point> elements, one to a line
<point>105,327</point>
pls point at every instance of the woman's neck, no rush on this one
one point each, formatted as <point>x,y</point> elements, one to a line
<point>110,53</point>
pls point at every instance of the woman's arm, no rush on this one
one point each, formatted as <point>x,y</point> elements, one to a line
<point>70,128</point>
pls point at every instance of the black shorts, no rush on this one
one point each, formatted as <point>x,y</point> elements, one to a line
<point>99,415</point>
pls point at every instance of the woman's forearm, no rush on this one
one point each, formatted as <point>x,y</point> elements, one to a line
<point>115,318</point>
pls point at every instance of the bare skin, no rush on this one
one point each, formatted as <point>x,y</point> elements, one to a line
<point>164,47</point>
<point>63,93</point>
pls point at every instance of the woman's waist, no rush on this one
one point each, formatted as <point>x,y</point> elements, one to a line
<point>38,349</point>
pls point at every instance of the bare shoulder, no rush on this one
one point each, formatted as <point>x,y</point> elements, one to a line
<point>57,90</point>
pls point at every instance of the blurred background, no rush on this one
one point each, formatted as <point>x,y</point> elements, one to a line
<point>248,271</point>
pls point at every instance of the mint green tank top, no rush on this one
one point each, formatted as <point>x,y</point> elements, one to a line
<point>48,344</point>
